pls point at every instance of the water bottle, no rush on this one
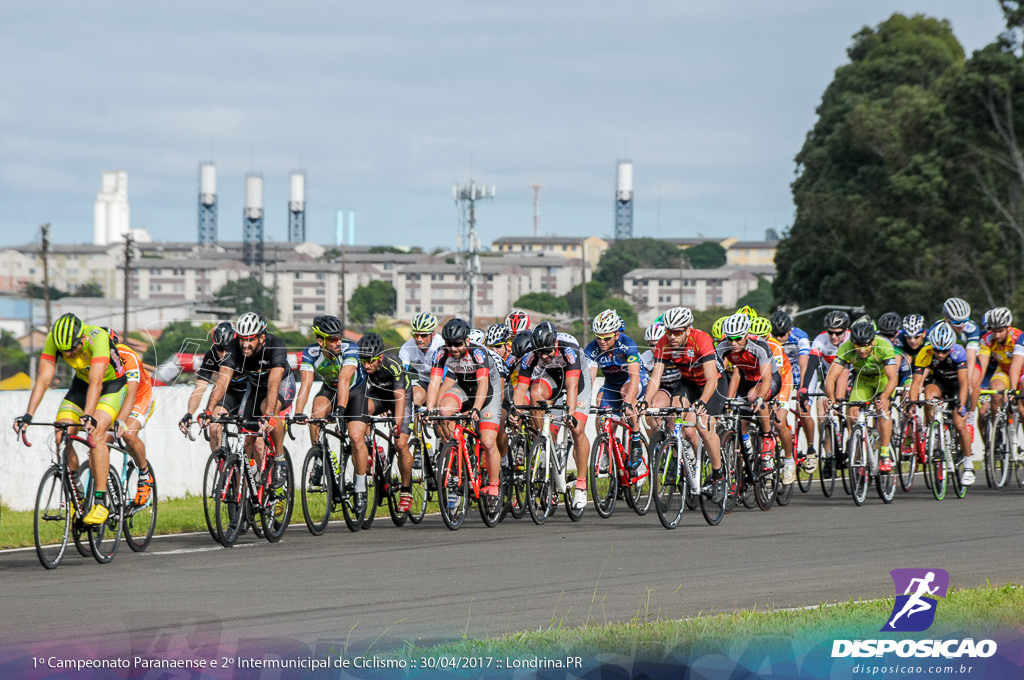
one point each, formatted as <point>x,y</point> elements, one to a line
<point>678,429</point>
<point>252,468</point>
<point>748,446</point>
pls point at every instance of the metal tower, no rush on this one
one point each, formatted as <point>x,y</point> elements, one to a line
<point>297,209</point>
<point>207,205</point>
<point>624,201</point>
<point>466,197</point>
<point>536,207</point>
<point>252,224</point>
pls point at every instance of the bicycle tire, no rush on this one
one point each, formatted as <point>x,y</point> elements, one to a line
<point>490,519</point>
<point>804,478</point>
<point>906,456</point>
<point>516,505</point>
<point>936,462</point>
<point>640,490</point>
<point>764,480</point>
<point>826,459</point>
<point>733,476</point>
<point>858,469</point>
<point>604,486</point>
<point>885,484</point>
<point>105,538</point>
<point>393,477</point>
<point>230,500</point>
<point>79,531</point>
<point>315,492</point>
<point>452,486</point>
<point>276,513</point>
<point>670,488</point>
<point>214,464</point>
<point>997,454</point>
<point>783,492</point>
<point>353,519</point>
<point>139,521</point>
<point>51,521</point>
<point>570,481</point>
<point>539,485</point>
<point>956,475</point>
<point>418,480</point>
<point>374,484</point>
<point>713,512</point>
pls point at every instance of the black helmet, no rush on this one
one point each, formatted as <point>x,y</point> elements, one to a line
<point>327,326</point>
<point>370,345</point>
<point>782,323</point>
<point>545,336</point>
<point>862,333</point>
<point>455,331</point>
<point>222,334</point>
<point>889,324</point>
<point>522,343</point>
<point>837,319</point>
<point>114,339</point>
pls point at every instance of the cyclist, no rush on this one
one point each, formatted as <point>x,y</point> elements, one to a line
<point>872,363</point>
<point>96,395</point>
<point>941,368</point>
<point>625,379</point>
<point>690,353</point>
<point>221,337</point>
<point>388,388</point>
<point>908,344</point>
<point>552,369</point>
<point>889,325</point>
<point>417,352</point>
<point>957,313</point>
<point>761,328</point>
<point>336,362</point>
<point>263,359</point>
<point>498,341</point>
<point>135,413</point>
<point>464,379</point>
<point>995,354</point>
<point>797,346</point>
<point>654,333</point>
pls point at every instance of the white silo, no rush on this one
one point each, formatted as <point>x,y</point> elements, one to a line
<point>252,223</point>
<point>624,201</point>
<point>111,215</point>
<point>297,208</point>
<point>207,204</point>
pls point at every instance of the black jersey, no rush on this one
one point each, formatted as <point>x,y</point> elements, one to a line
<point>256,367</point>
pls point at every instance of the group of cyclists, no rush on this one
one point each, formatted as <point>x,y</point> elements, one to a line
<point>491,374</point>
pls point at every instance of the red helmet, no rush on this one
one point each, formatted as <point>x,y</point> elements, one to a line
<point>518,320</point>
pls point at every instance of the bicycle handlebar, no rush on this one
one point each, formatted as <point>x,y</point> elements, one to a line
<point>63,427</point>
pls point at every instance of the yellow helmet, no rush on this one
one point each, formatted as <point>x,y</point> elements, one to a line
<point>761,327</point>
<point>716,328</point>
<point>747,311</point>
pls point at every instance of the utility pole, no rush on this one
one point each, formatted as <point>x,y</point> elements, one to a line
<point>536,208</point>
<point>583,267</point>
<point>343,295</point>
<point>128,243</point>
<point>467,196</point>
<point>46,270</point>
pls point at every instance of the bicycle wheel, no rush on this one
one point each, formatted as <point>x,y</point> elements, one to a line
<point>516,504</point>
<point>393,490</point>
<point>732,474</point>
<point>139,520</point>
<point>885,484</point>
<point>51,523</point>
<point>955,464</point>
<point>997,453</point>
<point>277,508</point>
<point>105,538</point>
<point>375,482</point>
<point>452,486</point>
<point>353,519</point>
<point>669,482</point>
<point>489,518</point>
<point>713,512</point>
<point>570,483</point>
<point>804,477</point>
<point>783,492</point>
<point>230,499</point>
<point>420,493</point>
<point>315,491</point>
<point>859,474</point>
<point>79,531</point>
<point>826,458</point>
<point>639,490</point>
<point>906,457</point>
<point>936,462</point>
<point>539,487</point>
<point>764,480</point>
<point>214,464</point>
<point>604,478</point>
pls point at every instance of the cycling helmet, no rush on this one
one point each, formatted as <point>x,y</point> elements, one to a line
<point>607,322</point>
<point>114,339</point>
<point>424,322</point>
<point>889,324</point>
<point>370,345</point>
<point>942,337</point>
<point>222,334</point>
<point>477,336</point>
<point>498,334</point>
<point>862,333</point>
<point>677,318</point>
<point>782,323</point>
<point>455,331</point>
<point>761,327</point>
<point>837,319</point>
<point>747,311</point>
<point>997,318</point>
<point>518,320</point>
<point>654,332</point>
<point>716,328</point>
<point>956,310</point>
<point>545,336</point>
<point>327,326</point>
<point>736,325</point>
<point>913,325</point>
<point>66,331</point>
<point>250,324</point>
<point>522,343</point>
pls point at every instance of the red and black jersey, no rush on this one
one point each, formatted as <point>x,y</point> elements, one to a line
<point>749,360</point>
<point>566,360</point>
<point>474,364</point>
<point>690,357</point>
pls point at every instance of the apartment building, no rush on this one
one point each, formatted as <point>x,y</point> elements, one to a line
<point>571,247</point>
<point>652,291</point>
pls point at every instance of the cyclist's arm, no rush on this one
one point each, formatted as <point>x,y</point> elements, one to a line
<point>1016,364</point>
<point>734,383</point>
<point>632,386</point>
<point>433,390</point>
<point>892,374</point>
<point>654,382</point>
<point>965,385</point>
<point>305,387</point>
<point>269,406</point>
<point>220,387</point>
<point>129,400</point>
<point>97,371</point>
<point>918,381</point>
<point>344,382</point>
<point>197,395</point>
<point>483,383</point>
<point>572,391</point>
<point>766,380</point>
<point>813,366</point>
<point>831,378</point>
<point>47,368</point>
<point>400,396</point>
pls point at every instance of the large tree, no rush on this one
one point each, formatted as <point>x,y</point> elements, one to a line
<point>377,297</point>
<point>248,295</point>
<point>623,256</point>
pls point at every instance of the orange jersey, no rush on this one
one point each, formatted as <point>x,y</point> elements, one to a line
<point>136,372</point>
<point>785,368</point>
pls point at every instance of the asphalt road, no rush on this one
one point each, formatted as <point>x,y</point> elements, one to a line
<point>382,588</point>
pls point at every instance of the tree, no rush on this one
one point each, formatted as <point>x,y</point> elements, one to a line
<point>177,336</point>
<point>707,255</point>
<point>378,297</point>
<point>13,358</point>
<point>623,256</point>
<point>36,291</point>
<point>545,303</point>
<point>90,290</point>
<point>248,295</point>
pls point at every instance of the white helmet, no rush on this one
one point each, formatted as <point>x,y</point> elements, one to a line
<point>477,336</point>
<point>677,318</point>
<point>654,332</point>
<point>607,322</point>
<point>942,337</point>
<point>1000,317</point>
<point>250,324</point>
<point>956,310</point>
<point>735,326</point>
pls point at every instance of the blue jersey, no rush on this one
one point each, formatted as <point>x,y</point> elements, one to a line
<point>320,362</point>
<point>797,344</point>
<point>615,362</point>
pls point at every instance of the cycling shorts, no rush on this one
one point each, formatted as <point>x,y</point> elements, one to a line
<point>111,399</point>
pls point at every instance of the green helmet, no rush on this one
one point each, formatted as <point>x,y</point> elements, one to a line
<point>424,322</point>
<point>716,328</point>
<point>66,331</point>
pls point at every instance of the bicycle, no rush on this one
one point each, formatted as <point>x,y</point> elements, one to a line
<point>460,476</point>
<point>804,477</point>
<point>424,482</point>
<point>60,504</point>
<point>383,467</point>
<point>945,456</point>
<point>864,456</point>
<point>745,471</point>
<point>680,472</point>
<point>832,454</point>
<point>610,472</point>
<point>520,442</point>
<point>1000,439</point>
<point>911,451</point>
<point>546,474</point>
<point>245,489</point>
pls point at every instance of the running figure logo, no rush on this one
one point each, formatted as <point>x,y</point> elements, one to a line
<point>914,610</point>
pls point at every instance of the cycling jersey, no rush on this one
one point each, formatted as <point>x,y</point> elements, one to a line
<point>474,364</point>
<point>797,344</point>
<point>750,359</point>
<point>389,377</point>
<point>96,349</point>
<point>257,366</point>
<point>945,370</point>
<point>686,361</point>
<point>614,363</point>
<point>1001,353</point>
<point>416,361</point>
<point>873,365</point>
<point>210,367</point>
<point>783,367</point>
<point>319,362</point>
<point>137,373</point>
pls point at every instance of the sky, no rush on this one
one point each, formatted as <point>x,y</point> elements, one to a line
<point>385,106</point>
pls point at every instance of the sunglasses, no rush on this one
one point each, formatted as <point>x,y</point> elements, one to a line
<point>421,335</point>
<point>675,331</point>
<point>835,333</point>
<point>605,338</point>
<point>454,344</point>
<point>738,338</point>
